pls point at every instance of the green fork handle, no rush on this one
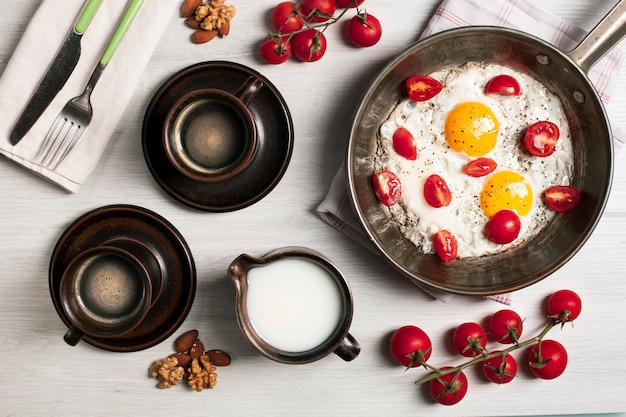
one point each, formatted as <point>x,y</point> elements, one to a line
<point>86,16</point>
<point>129,16</point>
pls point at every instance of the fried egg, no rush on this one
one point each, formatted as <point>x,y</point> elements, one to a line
<point>460,124</point>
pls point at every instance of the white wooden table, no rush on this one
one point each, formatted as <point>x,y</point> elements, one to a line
<point>44,376</point>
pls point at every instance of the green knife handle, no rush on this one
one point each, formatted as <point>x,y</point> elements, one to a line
<point>85,17</point>
<point>131,12</point>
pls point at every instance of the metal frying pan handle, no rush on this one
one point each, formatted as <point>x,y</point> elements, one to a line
<point>602,38</point>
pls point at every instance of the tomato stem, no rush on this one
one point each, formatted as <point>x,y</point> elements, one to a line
<point>484,357</point>
<point>322,26</point>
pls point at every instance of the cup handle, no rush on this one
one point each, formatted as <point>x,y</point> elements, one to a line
<point>348,349</point>
<point>73,336</point>
<point>249,90</point>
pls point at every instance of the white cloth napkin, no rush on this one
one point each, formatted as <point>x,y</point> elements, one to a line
<point>42,39</point>
<point>336,208</point>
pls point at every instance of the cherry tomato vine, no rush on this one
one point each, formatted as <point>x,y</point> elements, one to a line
<point>448,385</point>
<point>298,29</point>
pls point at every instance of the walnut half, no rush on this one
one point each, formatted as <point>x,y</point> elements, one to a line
<point>167,372</point>
<point>201,374</point>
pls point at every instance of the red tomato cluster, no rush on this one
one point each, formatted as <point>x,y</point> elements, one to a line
<point>411,347</point>
<point>298,29</point>
<point>504,227</point>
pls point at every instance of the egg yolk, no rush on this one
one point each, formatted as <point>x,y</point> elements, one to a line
<point>506,190</point>
<point>471,128</point>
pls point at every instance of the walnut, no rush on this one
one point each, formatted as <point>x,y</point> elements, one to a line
<point>202,12</point>
<point>208,24</point>
<point>215,15</point>
<point>227,12</point>
<point>167,372</point>
<point>201,374</point>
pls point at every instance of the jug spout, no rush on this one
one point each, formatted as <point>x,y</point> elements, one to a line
<point>238,269</point>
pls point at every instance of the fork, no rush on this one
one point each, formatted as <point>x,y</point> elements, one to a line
<point>71,123</point>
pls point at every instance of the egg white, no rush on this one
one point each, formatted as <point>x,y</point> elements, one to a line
<point>426,121</point>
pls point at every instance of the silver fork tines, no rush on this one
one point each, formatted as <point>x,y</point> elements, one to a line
<point>59,142</point>
<point>69,126</point>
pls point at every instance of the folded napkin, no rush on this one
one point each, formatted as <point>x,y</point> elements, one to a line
<point>336,208</point>
<point>36,50</point>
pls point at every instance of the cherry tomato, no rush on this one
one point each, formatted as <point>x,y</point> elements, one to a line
<point>470,339</point>
<point>445,245</point>
<point>422,87</point>
<point>480,167</point>
<point>505,326</point>
<point>410,346</point>
<point>364,30</point>
<point>387,187</point>
<point>318,10</point>
<point>348,3</point>
<point>503,84</point>
<point>503,227</point>
<point>501,369</point>
<point>286,17</point>
<point>564,306</point>
<point>404,144</point>
<point>547,359</point>
<point>562,198</point>
<point>436,191</point>
<point>275,50</point>
<point>541,137</point>
<point>309,46</point>
<point>450,388</point>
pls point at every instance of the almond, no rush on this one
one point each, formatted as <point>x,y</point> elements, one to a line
<point>203,36</point>
<point>218,357</point>
<point>224,30</point>
<point>183,359</point>
<point>189,7</point>
<point>196,350</point>
<point>192,23</point>
<point>185,341</point>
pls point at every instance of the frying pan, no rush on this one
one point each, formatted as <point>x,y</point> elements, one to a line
<point>565,74</point>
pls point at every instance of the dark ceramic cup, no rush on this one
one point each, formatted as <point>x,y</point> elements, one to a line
<point>210,135</point>
<point>107,290</point>
<point>293,306</point>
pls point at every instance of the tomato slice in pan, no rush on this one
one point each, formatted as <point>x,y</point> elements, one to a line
<point>504,227</point>
<point>387,187</point>
<point>503,84</point>
<point>422,87</point>
<point>541,137</point>
<point>404,144</point>
<point>480,167</point>
<point>562,198</point>
<point>436,191</point>
<point>445,245</point>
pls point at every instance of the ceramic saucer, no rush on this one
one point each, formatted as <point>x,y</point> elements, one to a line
<point>179,272</point>
<point>275,139</point>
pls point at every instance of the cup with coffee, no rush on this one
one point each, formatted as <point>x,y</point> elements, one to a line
<point>210,134</point>
<point>107,290</point>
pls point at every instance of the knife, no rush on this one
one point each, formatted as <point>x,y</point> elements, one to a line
<point>57,74</point>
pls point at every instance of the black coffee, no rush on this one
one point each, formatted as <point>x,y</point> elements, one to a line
<point>110,289</point>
